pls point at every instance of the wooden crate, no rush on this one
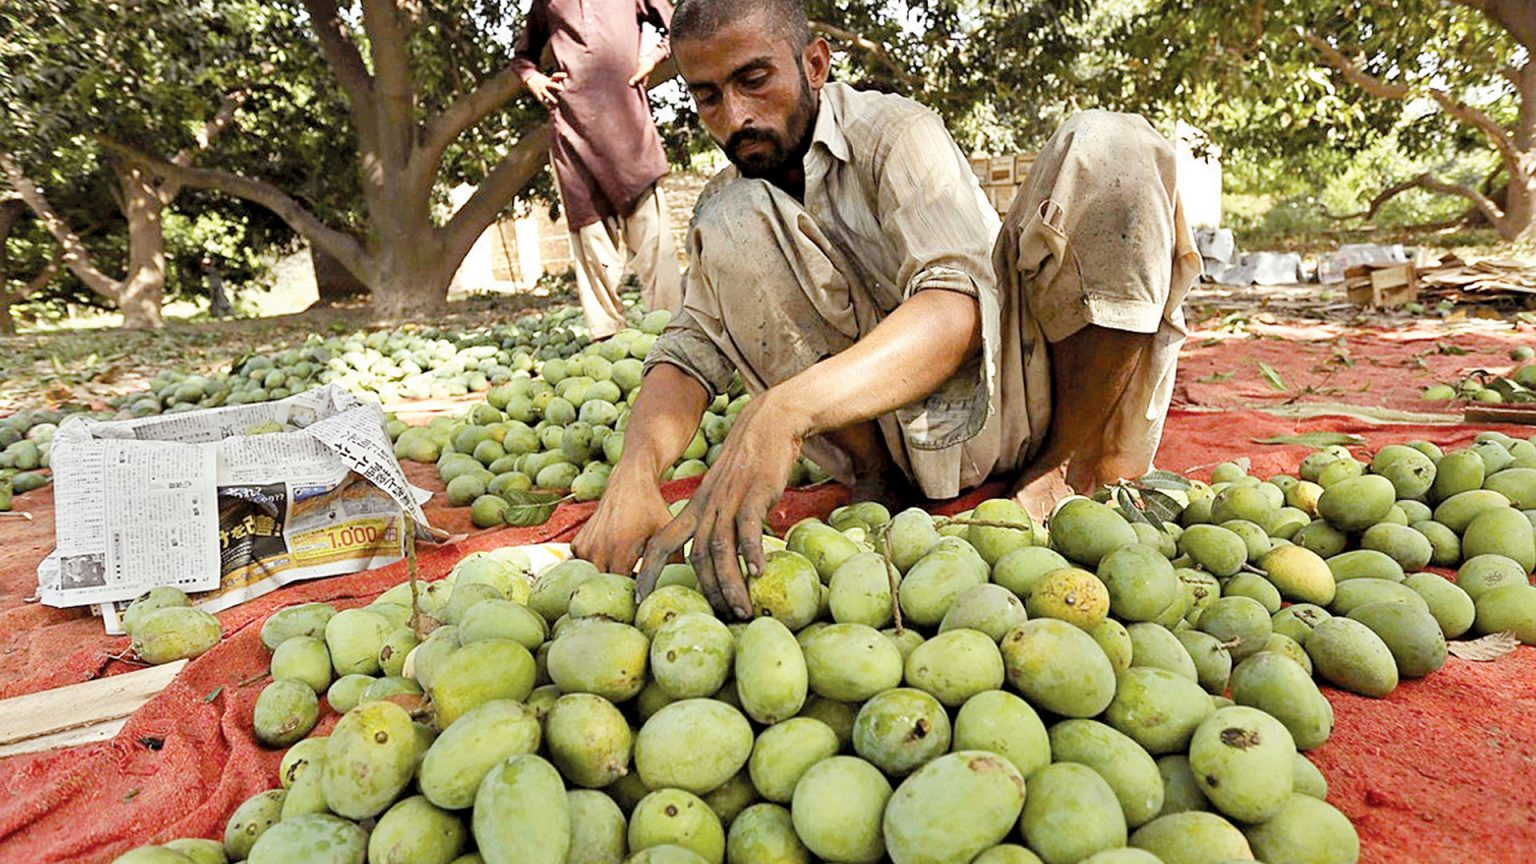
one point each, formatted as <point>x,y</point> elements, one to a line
<point>1382,287</point>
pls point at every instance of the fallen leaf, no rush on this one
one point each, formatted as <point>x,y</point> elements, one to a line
<point>1314,439</point>
<point>1490,647</point>
<point>1276,382</point>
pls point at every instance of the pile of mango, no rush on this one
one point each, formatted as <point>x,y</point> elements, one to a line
<point>1519,386</point>
<point>26,442</point>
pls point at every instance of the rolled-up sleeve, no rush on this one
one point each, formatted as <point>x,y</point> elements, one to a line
<point>934,215</point>
<point>687,346</point>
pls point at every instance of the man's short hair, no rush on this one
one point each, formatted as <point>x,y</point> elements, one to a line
<point>700,19</point>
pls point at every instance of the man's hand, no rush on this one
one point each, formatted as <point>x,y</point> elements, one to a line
<point>547,88</point>
<point>629,514</point>
<point>648,63</point>
<point>725,516</point>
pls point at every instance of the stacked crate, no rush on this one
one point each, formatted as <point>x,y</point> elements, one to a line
<point>1001,177</point>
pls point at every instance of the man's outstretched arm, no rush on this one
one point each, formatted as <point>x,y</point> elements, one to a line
<point>664,419</point>
<point>906,357</point>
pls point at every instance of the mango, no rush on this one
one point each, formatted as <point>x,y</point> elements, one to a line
<point>1140,581</point>
<point>607,594</point>
<point>771,674</point>
<point>1084,531</point>
<point>316,837</point>
<point>1254,587</point>
<point>1156,538</point>
<point>285,712</point>
<point>1496,457</point>
<point>1303,496</point>
<point>1213,665</point>
<point>198,850</point>
<point>1157,709</point>
<point>1509,608</point>
<point>1071,595</point>
<point>1358,592</point>
<point>1058,667</point>
<point>552,590</point>
<point>1021,569</point>
<point>1452,607</point>
<point>354,637</point>
<point>1007,853</point>
<point>955,665</point>
<point>369,758</point>
<point>692,655</point>
<point>1321,538</point>
<point>1481,574</point>
<point>912,534</point>
<point>1365,564</point>
<point>953,808</point>
<point>1410,472</point>
<point>785,750</point>
<point>392,654</point>
<point>503,619</point>
<point>1299,574</point>
<point>588,740</point>
<point>860,591</point>
<point>693,744</point>
<point>672,817</point>
<point>931,586</point>
<point>1278,686</point>
<point>991,609</point>
<point>154,855</point>
<point>1241,502</point>
<point>1408,547</point>
<point>1181,793</point>
<point>1285,646</point>
<point>1516,484</point>
<point>1070,814</point>
<point>478,741</point>
<point>822,545</point>
<point>765,834</point>
<point>602,657</point>
<point>1501,532</point>
<point>851,662</point>
<point>788,588</point>
<point>1306,830</point>
<point>480,672</point>
<point>1339,470</point>
<point>1357,503</point>
<point>899,730</point>
<point>1297,621</point>
<point>664,604</point>
<point>1255,539</point>
<point>994,542</point>
<point>1215,549</point>
<point>251,819</point>
<point>1115,641</point>
<point>415,832</point>
<point>1242,760</point>
<point>1002,723</point>
<point>1123,764</point>
<point>837,810</point>
<point>174,633</point>
<point>1155,646</point>
<point>599,834</point>
<point>307,794</point>
<point>522,815</point>
<point>1348,655</point>
<point>463,598</point>
<point>1200,590</point>
<point>305,659</point>
<point>164,597</point>
<point>1410,632</point>
<point>1241,624</point>
<point>1458,511</point>
<point>1415,511</point>
<point>1192,838</point>
<point>504,569</point>
<point>1444,545</point>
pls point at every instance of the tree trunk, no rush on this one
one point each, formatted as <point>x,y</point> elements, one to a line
<point>140,294</point>
<point>10,211</point>
<point>333,281</point>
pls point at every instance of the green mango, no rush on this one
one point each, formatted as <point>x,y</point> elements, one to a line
<point>599,833</point>
<point>990,609</point>
<point>503,619</point>
<point>912,535</point>
<point>771,675</point>
<point>1115,641</point>
<point>1358,592</point>
<point>1504,532</point>
<point>1444,545</point>
<point>1452,607</point>
<point>1307,830</point>
<point>1411,549</point>
<point>784,751</point>
<point>1157,709</point>
<point>1213,665</point>
<point>522,815</point>
<point>692,655</point>
<point>788,588</point>
<point>1357,503</point>
<point>1140,580</point>
<point>860,591</point>
<point>851,662</point>
<point>1215,549</point>
<point>602,657</point>
<point>1241,623</point>
<point>837,809</point>
<point>157,598</point>
<point>1070,814</point>
<point>354,638</point>
<point>899,730</point>
<point>1181,793</point>
<point>1254,587</point>
<point>251,819</point>
<point>932,585</point>
<point>1347,654</point>
<point>1084,531</point>
<point>1242,758</point>
<point>1282,688</point>
<point>666,603</point>
<point>1155,646</point>
<point>953,808</point>
<point>955,665</point>
<point>1458,511</point>
<point>415,832</point>
<point>369,758</point>
<point>285,711</point>
<point>992,542</point>
<point>765,834</point>
<point>1365,564</point>
<point>1124,765</point>
<point>305,659</point>
<point>672,817</point>
<point>480,672</point>
<point>823,546</point>
<point>198,850</point>
<point>1058,667</point>
<point>1410,632</point>
<point>314,838</point>
<point>1008,853</point>
<point>1509,608</point>
<point>1002,723</point>
<point>693,744</point>
<point>1019,570</point>
<point>588,739</point>
<point>175,633</point>
<point>1192,837</point>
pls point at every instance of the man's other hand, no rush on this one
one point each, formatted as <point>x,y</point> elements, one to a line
<point>628,516</point>
<point>547,88</point>
<point>643,69</point>
<point>725,516</point>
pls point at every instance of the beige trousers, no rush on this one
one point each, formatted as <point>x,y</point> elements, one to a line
<point>1096,237</point>
<point>647,238</point>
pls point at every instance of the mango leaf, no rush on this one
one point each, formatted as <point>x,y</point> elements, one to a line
<point>526,509</point>
<point>1161,507</point>
<point>1276,382</point>
<point>1215,377</point>
<point>1165,480</point>
<point>1314,439</point>
<point>1128,506</point>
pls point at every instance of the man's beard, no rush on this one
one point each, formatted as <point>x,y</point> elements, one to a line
<point>778,155</point>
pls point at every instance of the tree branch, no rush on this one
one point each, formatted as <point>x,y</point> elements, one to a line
<point>491,197</point>
<point>1496,134</point>
<point>1518,17</point>
<point>870,46</point>
<point>391,61</point>
<point>340,245</point>
<point>468,110</point>
<point>1483,203</point>
<point>74,254</point>
<point>340,52</point>
<point>216,124</point>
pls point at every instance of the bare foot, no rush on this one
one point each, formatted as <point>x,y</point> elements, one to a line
<point>1038,495</point>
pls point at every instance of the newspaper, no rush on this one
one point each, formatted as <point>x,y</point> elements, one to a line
<point>225,503</point>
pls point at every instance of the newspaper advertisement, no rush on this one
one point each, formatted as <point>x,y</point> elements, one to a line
<point>227,503</point>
